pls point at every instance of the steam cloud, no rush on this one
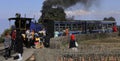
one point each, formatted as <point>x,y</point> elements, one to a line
<point>68,3</point>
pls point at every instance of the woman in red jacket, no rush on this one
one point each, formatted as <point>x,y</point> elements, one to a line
<point>72,41</point>
<point>114,28</point>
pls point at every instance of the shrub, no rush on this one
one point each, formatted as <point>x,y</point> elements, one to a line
<point>1,39</point>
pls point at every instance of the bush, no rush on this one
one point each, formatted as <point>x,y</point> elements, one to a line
<point>1,40</point>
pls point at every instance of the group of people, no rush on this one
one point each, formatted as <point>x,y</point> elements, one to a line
<point>13,41</point>
<point>72,43</point>
<point>36,39</point>
<point>17,39</point>
<point>109,29</point>
<point>65,33</point>
<point>31,39</point>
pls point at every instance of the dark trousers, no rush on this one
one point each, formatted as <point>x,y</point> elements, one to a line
<point>72,44</point>
<point>13,45</point>
<point>7,52</point>
<point>27,43</point>
<point>32,42</point>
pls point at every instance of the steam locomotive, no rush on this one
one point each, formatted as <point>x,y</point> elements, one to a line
<point>23,23</point>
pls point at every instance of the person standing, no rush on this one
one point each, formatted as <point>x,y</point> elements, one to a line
<point>7,45</point>
<point>64,34</point>
<point>114,28</point>
<point>73,44</point>
<point>19,44</point>
<point>28,38</point>
<point>13,36</point>
<point>56,34</point>
<point>32,40</point>
<point>67,31</point>
<point>72,41</point>
<point>42,34</point>
<point>47,41</point>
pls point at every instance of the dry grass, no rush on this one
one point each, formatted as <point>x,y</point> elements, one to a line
<point>92,49</point>
<point>99,41</point>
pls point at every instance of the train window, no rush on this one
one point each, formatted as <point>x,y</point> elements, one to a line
<point>63,27</point>
<point>74,24</point>
<point>56,29</point>
<point>62,24</point>
<point>27,22</point>
<point>69,28</point>
<point>68,25</point>
<point>109,24</point>
<point>56,24</point>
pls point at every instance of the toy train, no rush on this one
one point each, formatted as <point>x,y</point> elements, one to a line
<point>23,23</point>
<point>74,26</point>
<point>79,26</point>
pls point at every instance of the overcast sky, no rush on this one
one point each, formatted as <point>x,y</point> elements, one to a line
<point>104,8</point>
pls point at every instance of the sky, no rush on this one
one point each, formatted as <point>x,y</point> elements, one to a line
<point>99,10</point>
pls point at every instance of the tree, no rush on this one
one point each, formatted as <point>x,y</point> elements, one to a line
<point>52,12</point>
<point>57,14</point>
<point>105,18</point>
<point>6,30</point>
<point>109,19</point>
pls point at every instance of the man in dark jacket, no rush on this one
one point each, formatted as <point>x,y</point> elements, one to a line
<point>47,40</point>
<point>19,45</point>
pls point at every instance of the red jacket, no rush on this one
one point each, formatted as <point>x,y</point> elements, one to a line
<point>114,28</point>
<point>73,37</point>
<point>13,35</point>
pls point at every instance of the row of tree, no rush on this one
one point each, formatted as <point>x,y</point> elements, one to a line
<point>109,19</point>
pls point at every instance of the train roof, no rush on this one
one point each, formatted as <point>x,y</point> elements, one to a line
<point>104,22</point>
<point>22,18</point>
<point>86,21</point>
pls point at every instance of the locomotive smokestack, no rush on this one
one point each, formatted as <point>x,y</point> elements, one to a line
<point>18,15</point>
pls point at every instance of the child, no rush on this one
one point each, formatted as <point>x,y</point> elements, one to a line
<point>7,45</point>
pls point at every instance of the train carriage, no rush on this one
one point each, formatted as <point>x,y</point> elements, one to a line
<point>78,26</point>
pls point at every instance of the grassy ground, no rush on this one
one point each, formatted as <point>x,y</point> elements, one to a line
<point>112,44</point>
<point>105,40</point>
<point>106,45</point>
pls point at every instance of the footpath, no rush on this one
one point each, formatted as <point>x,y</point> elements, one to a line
<point>26,54</point>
